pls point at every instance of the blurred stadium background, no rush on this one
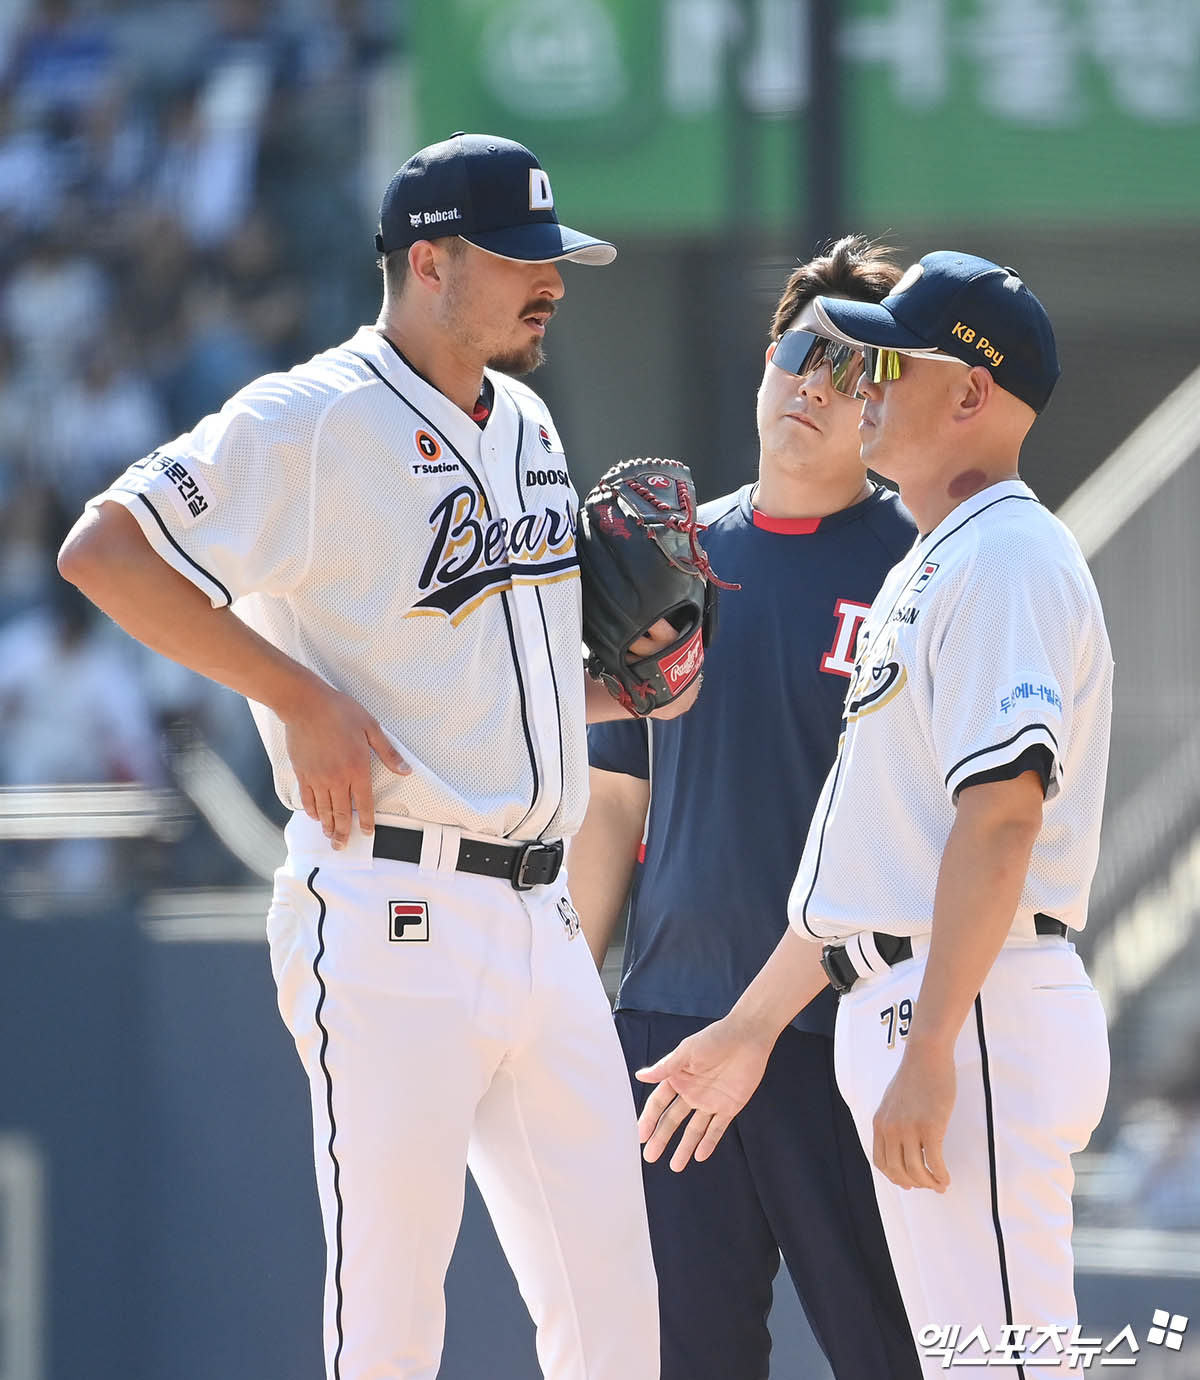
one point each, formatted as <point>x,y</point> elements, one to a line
<point>188,191</point>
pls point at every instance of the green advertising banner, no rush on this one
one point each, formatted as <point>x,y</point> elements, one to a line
<point>655,115</point>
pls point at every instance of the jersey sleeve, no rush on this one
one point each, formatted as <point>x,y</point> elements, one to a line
<point>1002,661</point>
<point>620,745</point>
<point>228,504</point>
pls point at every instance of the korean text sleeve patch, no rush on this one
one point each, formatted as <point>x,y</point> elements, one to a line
<point>228,503</point>
<point>1002,662</point>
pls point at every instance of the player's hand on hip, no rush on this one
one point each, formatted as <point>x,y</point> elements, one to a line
<point>702,1085</point>
<point>330,745</point>
<point>910,1123</point>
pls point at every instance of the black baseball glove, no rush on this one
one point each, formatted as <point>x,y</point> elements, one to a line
<point>641,561</point>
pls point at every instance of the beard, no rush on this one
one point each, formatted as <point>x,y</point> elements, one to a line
<point>519,362</point>
<point>458,319</point>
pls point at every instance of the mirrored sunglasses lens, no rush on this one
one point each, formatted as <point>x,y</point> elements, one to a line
<point>880,365</point>
<point>845,364</point>
<point>799,352</point>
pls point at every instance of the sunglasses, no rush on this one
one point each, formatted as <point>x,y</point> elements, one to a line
<point>881,365</point>
<point>802,353</point>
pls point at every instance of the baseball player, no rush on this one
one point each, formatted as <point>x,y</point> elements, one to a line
<point>714,807</point>
<point>377,549</point>
<point>953,845</point>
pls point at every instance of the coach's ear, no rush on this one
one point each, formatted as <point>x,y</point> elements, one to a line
<point>972,392</point>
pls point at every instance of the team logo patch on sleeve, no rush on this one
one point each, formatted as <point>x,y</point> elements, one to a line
<point>408,922</point>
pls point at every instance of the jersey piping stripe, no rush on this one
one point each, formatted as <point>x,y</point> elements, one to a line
<point>999,747</point>
<point>337,1171</point>
<point>562,766</point>
<point>487,511</point>
<point>837,772</point>
<point>1004,498</point>
<point>537,786</point>
<point>991,1141</point>
<point>553,565</point>
<point>162,526</point>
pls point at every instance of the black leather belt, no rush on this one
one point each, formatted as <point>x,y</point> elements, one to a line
<point>523,865</point>
<point>895,948</point>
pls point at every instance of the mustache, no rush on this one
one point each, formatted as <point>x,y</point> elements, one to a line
<point>540,307</point>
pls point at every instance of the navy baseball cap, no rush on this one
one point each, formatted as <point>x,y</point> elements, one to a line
<point>958,305</point>
<point>491,191</point>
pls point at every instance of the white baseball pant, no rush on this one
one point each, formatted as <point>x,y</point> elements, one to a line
<point>1032,1069</point>
<point>481,1038</point>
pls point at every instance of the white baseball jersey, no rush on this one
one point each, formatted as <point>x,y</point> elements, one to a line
<point>987,639</point>
<point>363,524</point>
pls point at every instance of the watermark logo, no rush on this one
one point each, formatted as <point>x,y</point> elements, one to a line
<point>1044,1347</point>
<point>1168,1329</point>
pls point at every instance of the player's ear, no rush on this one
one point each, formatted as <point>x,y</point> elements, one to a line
<point>424,266</point>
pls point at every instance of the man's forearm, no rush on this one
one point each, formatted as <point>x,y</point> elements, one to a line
<point>602,855</point>
<point>784,986</point>
<point>979,887</point>
<point>599,706</point>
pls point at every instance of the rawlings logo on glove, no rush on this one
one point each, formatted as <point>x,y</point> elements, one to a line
<point>641,561</point>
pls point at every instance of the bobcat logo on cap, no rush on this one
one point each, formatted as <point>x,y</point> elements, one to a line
<point>415,218</point>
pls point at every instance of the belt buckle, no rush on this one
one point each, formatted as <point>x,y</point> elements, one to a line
<point>842,976</point>
<point>531,854</point>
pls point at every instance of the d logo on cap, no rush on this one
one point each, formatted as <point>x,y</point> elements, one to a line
<point>541,198</point>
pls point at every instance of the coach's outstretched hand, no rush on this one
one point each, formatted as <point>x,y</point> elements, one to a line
<point>330,742</point>
<point>704,1082</point>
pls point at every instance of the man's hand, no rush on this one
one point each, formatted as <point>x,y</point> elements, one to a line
<point>983,869</point>
<point>913,1114</point>
<point>330,741</point>
<point>711,1076</point>
<point>330,737</point>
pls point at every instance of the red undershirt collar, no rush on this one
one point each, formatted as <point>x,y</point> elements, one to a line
<point>799,527</point>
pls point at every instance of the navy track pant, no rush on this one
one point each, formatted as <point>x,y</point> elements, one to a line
<point>788,1177</point>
